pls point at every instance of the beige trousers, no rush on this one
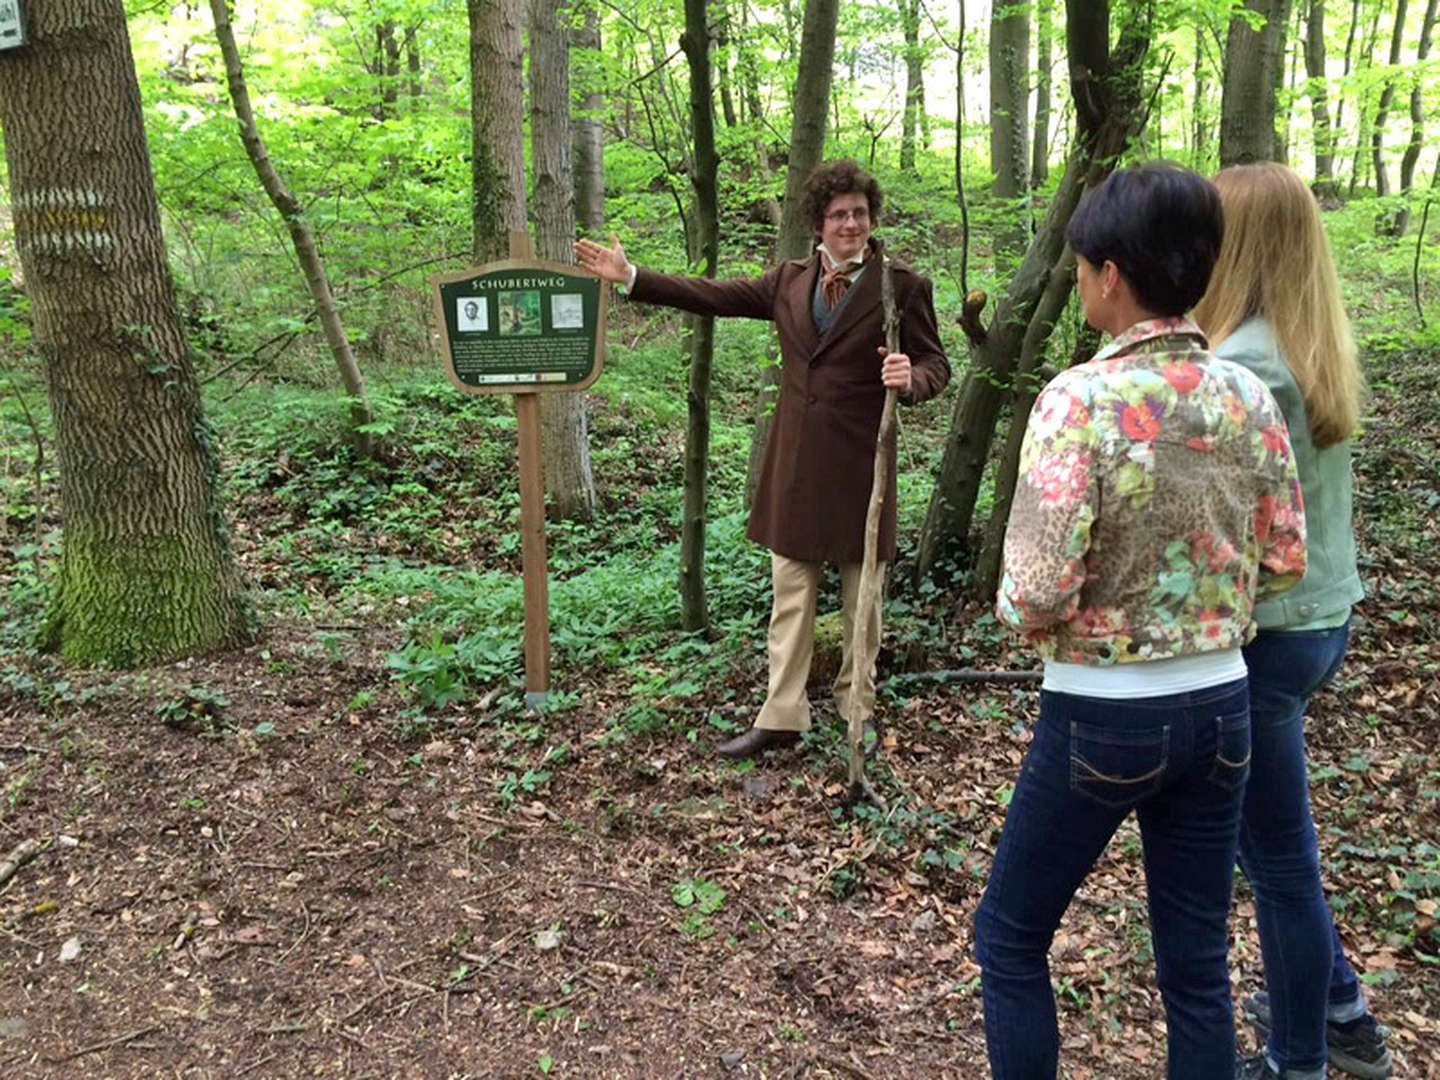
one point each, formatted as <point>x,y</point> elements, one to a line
<point>792,643</point>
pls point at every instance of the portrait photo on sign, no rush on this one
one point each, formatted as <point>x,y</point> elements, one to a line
<point>520,313</point>
<point>567,311</point>
<point>472,313</point>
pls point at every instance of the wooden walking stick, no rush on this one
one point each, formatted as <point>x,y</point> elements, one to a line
<point>869,599</point>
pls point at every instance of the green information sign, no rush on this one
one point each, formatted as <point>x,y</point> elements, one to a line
<point>522,326</point>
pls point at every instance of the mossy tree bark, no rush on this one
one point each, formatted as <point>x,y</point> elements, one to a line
<point>147,574</point>
<point>497,126</point>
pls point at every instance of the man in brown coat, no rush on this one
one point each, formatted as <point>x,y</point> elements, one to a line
<point>814,487</point>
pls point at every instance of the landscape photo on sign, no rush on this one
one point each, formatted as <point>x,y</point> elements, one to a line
<point>472,313</point>
<point>520,313</point>
<point>567,311</point>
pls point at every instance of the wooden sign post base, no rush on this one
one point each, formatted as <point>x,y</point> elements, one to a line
<point>532,531</point>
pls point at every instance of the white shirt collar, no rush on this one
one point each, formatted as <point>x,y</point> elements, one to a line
<point>850,266</point>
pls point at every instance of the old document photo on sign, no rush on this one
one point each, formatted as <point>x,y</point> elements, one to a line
<point>567,311</point>
<point>472,313</point>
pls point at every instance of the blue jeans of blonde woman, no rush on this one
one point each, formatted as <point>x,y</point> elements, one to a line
<point>1305,966</point>
<point>1180,763</point>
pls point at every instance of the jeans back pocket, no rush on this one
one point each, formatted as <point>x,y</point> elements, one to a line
<point>1117,767</point>
<point>1232,750</point>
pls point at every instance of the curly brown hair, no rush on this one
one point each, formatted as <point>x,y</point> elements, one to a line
<point>842,177</point>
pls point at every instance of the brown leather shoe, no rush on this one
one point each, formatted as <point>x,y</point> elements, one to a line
<point>752,742</point>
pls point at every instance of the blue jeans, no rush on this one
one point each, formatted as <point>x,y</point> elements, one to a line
<point>1180,762</point>
<point>1302,951</point>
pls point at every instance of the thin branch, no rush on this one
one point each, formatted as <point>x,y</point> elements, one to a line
<point>129,1036</point>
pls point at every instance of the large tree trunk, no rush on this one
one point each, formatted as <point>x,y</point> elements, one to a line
<point>1010,121</point>
<point>1108,107</point>
<point>1325,189</point>
<point>146,575</point>
<point>797,232</point>
<point>589,132</point>
<point>914,82</point>
<point>1382,111</point>
<point>1417,117</point>
<point>1044,33</point>
<point>301,237</point>
<point>696,44</point>
<point>1253,57</point>
<point>564,425</point>
<point>497,126</point>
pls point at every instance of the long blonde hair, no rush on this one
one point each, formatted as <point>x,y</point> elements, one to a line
<point>1275,262</point>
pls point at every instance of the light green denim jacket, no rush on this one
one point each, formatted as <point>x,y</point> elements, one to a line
<point>1331,582</point>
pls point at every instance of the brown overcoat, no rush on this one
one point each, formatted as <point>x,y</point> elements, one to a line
<point>815,482</point>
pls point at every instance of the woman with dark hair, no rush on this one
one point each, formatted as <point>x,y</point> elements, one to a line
<point>1274,307</point>
<point>1157,497</point>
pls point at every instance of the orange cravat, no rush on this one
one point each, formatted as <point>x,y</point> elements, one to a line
<point>833,283</point>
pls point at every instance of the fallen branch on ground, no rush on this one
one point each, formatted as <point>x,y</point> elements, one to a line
<point>22,853</point>
<point>129,1036</point>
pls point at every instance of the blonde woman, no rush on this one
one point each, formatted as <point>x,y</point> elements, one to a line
<point>1274,307</point>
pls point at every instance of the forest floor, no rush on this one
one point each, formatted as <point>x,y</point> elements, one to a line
<point>245,866</point>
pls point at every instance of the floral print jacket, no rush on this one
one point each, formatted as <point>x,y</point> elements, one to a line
<point>1157,498</point>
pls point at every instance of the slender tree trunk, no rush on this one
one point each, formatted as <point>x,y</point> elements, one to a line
<point>722,64</point>
<point>564,424</point>
<point>1370,39</point>
<point>696,44</point>
<point>1044,33</point>
<point>497,147</point>
<point>412,64</point>
<point>1247,97</point>
<point>1349,60</point>
<point>914,82</point>
<point>301,237</point>
<point>589,129</point>
<point>389,67</point>
<point>1382,111</point>
<point>1325,189</point>
<point>1282,84</point>
<point>1199,127</point>
<point>807,142</point>
<point>960,150</point>
<point>147,574</point>
<point>1417,116</point>
<point>1010,121</point>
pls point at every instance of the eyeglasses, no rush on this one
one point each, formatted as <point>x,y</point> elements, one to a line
<point>838,217</point>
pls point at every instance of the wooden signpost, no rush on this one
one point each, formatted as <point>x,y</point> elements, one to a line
<point>524,326</point>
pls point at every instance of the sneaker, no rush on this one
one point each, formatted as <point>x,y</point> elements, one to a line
<point>1356,1047</point>
<point>1255,1068</point>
